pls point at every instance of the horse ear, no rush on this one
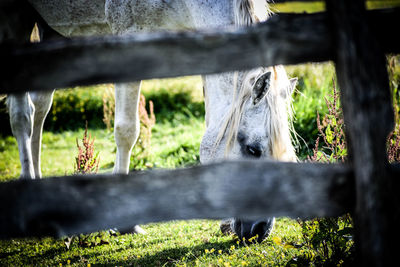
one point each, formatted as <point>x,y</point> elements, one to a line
<point>292,85</point>
<point>261,87</point>
<point>287,92</point>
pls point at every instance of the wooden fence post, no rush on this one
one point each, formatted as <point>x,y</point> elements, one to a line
<point>368,114</point>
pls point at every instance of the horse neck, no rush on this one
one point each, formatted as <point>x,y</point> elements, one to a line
<point>218,95</point>
<point>220,89</point>
<point>205,13</point>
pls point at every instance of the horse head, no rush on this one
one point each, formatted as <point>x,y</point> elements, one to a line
<point>257,124</point>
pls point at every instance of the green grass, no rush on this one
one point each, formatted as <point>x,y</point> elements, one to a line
<point>314,84</point>
<point>319,6</point>
<point>58,153</point>
<point>298,7</point>
<point>193,242</point>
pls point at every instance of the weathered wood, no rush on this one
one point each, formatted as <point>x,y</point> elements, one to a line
<point>284,39</point>
<point>67,63</point>
<point>70,205</point>
<point>368,114</point>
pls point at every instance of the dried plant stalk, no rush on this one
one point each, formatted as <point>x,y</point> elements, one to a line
<point>86,161</point>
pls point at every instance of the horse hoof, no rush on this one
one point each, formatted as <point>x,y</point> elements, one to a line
<point>139,230</point>
<point>135,230</point>
<point>258,230</point>
<point>226,226</point>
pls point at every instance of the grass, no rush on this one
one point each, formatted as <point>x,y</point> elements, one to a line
<point>58,153</point>
<point>179,243</point>
<point>319,6</point>
<point>314,84</point>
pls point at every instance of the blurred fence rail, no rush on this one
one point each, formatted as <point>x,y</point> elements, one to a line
<point>284,39</point>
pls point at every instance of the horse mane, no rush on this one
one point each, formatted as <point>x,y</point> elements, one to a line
<point>248,12</point>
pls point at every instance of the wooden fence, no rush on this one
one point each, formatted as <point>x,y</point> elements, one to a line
<point>355,39</point>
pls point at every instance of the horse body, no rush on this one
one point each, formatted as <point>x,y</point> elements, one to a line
<point>125,17</point>
<point>100,17</point>
<point>246,111</point>
<point>74,18</point>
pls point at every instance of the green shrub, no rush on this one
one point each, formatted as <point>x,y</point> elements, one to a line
<point>72,107</point>
<point>176,144</point>
<point>315,81</point>
<point>4,119</point>
<point>327,242</point>
<point>167,105</point>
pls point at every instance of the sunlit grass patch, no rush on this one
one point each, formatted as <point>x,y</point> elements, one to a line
<point>175,243</point>
<point>298,7</point>
<point>319,6</point>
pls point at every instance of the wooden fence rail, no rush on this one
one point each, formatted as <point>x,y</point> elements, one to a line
<point>284,39</point>
<point>70,205</point>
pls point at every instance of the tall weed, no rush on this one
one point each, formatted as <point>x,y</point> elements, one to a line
<point>331,130</point>
<point>87,161</point>
<point>393,140</point>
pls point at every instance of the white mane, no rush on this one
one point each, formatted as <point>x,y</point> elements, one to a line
<point>248,12</point>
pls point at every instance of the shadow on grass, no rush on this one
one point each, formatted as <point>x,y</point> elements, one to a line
<point>29,260</point>
<point>171,255</point>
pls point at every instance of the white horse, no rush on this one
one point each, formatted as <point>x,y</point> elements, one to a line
<point>247,112</point>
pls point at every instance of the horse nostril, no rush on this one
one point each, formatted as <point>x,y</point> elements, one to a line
<point>254,151</point>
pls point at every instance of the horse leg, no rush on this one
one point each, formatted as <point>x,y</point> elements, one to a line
<point>126,123</point>
<point>126,128</point>
<point>42,102</point>
<point>21,112</point>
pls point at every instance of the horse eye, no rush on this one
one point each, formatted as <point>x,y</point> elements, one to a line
<point>259,84</point>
